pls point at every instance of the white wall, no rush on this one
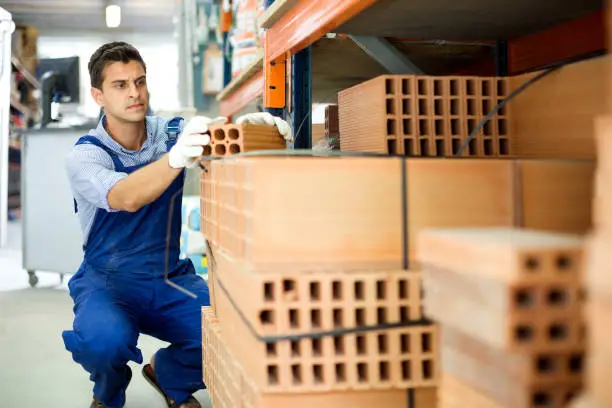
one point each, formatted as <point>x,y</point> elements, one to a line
<point>159,52</point>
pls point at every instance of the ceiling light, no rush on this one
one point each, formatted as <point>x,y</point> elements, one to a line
<point>113,16</point>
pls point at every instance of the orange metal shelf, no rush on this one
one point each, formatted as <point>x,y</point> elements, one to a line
<point>308,21</point>
<point>573,39</point>
<point>244,95</point>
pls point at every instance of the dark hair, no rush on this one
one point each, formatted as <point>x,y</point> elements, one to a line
<point>117,51</point>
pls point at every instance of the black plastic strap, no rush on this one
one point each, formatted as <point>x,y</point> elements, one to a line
<point>411,403</point>
<point>404,217</point>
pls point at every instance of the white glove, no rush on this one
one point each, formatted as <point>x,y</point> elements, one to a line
<point>190,145</point>
<point>265,118</point>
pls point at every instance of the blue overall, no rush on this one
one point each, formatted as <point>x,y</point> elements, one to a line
<point>119,292</point>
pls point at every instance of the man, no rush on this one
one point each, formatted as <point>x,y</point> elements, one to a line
<point>124,176</point>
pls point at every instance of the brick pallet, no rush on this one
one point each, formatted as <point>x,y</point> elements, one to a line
<point>514,335</point>
<point>416,115</point>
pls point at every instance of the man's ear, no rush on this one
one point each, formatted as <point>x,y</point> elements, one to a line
<point>97,96</point>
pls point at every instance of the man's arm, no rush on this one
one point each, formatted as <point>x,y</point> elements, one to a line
<point>143,186</point>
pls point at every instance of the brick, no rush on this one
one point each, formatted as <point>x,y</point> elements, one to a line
<point>231,387</point>
<point>533,369</point>
<point>598,377</point>
<point>511,255</point>
<point>551,195</point>
<point>599,314</point>
<point>425,397</point>
<point>454,393</point>
<point>517,318</point>
<point>287,301</point>
<point>233,139</point>
<point>423,116</point>
<point>384,359</point>
<point>542,129</point>
<point>586,400</point>
<point>599,362</point>
<point>602,200</point>
<point>332,229</point>
<point>501,388</point>
<point>332,127</point>
<point>598,263</point>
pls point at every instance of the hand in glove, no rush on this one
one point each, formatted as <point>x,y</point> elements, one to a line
<point>190,145</point>
<point>265,118</point>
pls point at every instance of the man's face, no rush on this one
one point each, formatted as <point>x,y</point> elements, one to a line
<point>124,93</point>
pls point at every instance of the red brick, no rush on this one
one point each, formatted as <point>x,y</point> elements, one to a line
<point>231,387</point>
<point>501,388</point>
<point>291,296</point>
<point>509,255</point>
<point>423,116</point>
<point>381,359</point>
<point>533,369</point>
<point>233,139</point>
<point>497,316</point>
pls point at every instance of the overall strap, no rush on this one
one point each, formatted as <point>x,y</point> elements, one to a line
<point>87,139</point>
<point>173,129</point>
<point>97,142</point>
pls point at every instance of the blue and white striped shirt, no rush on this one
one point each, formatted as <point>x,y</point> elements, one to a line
<point>92,174</point>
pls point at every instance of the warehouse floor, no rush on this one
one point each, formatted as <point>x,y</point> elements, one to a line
<point>35,369</point>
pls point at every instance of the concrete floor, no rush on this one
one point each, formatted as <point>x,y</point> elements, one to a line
<point>35,369</point>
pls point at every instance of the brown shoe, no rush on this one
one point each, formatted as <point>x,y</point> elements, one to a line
<point>149,375</point>
<point>96,403</point>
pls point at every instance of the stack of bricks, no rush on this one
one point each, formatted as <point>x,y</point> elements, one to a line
<point>509,303</point>
<point>329,320</point>
<point>313,260</point>
<point>245,212</point>
<point>232,139</point>
<point>599,264</point>
<point>428,116</point>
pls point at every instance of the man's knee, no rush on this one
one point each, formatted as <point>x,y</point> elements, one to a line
<point>103,348</point>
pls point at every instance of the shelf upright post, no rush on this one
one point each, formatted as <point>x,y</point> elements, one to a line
<point>301,117</point>
<point>501,58</point>
<point>274,80</point>
<point>226,25</point>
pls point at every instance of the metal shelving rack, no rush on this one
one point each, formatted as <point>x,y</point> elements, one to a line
<point>300,64</point>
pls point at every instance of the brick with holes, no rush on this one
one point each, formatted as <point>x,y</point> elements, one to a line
<point>424,116</point>
<point>509,255</point>
<point>378,359</point>
<point>501,387</point>
<point>233,387</point>
<point>289,300</point>
<point>545,368</point>
<point>529,317</point>
<point>231,139</point>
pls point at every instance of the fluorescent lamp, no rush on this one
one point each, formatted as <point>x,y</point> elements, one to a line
<point>113,16</point>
